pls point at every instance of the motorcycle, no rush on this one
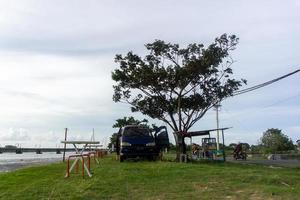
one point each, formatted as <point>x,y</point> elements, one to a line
<point>240,155</point>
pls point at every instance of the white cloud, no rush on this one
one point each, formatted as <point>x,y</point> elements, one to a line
<point>15,135</point>
<point>295,128</point>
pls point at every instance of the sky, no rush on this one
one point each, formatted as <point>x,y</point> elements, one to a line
<point>56,59</point>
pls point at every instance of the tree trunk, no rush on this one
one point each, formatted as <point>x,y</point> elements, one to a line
<point>180,145</point>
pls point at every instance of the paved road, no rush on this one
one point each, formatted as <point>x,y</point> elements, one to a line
<point>277,163</point>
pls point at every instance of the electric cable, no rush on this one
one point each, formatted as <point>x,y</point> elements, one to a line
<point>264,84</point>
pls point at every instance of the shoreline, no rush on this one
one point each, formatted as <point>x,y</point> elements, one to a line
<point>10,167</point>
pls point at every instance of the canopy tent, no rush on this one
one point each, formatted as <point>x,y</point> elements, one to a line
<point>203,133</point>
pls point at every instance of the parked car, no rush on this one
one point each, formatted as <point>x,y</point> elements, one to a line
<point>138,141</point>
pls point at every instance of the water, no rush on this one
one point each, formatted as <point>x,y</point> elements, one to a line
<point>9,158</point>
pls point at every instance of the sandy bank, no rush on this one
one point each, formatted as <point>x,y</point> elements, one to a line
<point>8,167</point>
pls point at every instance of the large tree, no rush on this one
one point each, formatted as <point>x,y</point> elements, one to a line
<point>273,140</point>
<point>177,85</point>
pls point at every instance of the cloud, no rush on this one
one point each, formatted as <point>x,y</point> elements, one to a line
<point>101,27</point>
<point>50,137</point>
<point>56,61</point>
<point>15,135</point>
<point>295,128</point>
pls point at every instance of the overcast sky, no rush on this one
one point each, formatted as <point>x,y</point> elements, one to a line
<point>56,59</point>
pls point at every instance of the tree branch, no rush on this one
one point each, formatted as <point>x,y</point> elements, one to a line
<point>173,121</point>
<point>172,60</point>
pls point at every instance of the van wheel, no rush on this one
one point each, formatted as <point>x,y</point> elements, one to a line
<point>122,158</point>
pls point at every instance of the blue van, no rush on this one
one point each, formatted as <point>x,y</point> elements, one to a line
<point>138,141</point>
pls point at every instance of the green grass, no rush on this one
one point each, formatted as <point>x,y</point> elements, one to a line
<point>153,180</point>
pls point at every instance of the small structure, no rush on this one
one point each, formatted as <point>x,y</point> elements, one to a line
<point>209,145</point>
<point>58,151</point>
<point>10,147</point>
<point>38,151</point>
<point>19,149</point>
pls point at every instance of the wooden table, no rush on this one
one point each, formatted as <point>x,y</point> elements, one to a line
<point>80,152</point>
<point>94,146</point>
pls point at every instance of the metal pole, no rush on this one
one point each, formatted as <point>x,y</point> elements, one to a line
<point>217,118</point>
<point>66,132</point>
<point>93,135</point>
<point>92,138</point>
<point>224,156</point>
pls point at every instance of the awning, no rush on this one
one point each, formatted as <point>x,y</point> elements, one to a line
<point>201,133</point>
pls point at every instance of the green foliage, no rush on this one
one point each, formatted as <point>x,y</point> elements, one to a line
<point>273,140</point>
<point>232,145</point>
<point>176,85</point>
<point>128,121</point>
<point>113,140</point>
<point>256,149</point>
<point>245,146</point>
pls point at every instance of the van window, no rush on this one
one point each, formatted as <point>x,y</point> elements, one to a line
<point>137,131</point>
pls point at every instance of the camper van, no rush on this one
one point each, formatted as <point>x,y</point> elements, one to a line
<point>138,141</point>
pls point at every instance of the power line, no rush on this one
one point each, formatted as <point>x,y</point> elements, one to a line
<point>264,84</point>
<point>283,100</point>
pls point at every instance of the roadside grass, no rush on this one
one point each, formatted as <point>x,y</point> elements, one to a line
<point>153,180</point>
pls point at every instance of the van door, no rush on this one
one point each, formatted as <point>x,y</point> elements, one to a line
<point>161,138</point>
<point>118,147</point>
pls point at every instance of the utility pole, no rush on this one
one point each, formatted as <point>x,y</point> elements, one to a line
<point>93,135</point>
<point>217,106</point>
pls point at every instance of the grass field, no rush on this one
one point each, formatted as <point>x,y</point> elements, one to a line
<point>153,180</point>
